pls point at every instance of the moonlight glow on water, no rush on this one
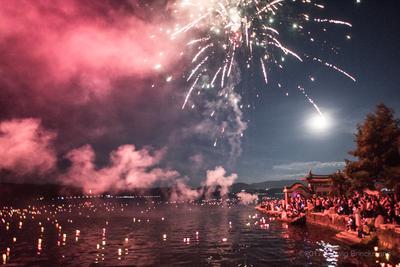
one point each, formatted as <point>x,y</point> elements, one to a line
<point>105,232</point>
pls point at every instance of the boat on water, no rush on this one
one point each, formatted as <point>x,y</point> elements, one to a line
<point>281,216</point>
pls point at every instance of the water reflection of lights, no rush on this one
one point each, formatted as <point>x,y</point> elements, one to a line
<point>330,253</point>
<point>51,226</point>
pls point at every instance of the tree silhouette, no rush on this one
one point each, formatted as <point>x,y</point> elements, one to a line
<point>340,184</point>
<point>377,151</point>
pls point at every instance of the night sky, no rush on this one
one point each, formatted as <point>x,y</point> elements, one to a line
<point>278,143</point>
<point>77,81</point>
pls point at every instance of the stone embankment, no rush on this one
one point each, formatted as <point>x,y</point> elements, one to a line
<point>388,236</point>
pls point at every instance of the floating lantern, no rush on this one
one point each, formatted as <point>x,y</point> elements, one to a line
<point>39,246</point>
<point>224,239</point>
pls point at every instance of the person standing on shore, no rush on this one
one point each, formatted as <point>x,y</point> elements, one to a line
<point>357,215</point>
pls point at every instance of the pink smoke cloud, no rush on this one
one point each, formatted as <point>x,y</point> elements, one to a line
<point>89,42</point>
<point>26,147</point>
<point>128,168</point>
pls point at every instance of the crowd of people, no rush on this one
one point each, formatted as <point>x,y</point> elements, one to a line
<point>360,209</point>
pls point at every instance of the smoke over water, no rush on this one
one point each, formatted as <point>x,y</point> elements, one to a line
<point>87,82</point>
<point>247,198</point>
<point>128,168</point>
<point>25,147</point>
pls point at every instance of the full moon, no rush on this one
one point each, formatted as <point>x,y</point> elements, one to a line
<point>318,123</point>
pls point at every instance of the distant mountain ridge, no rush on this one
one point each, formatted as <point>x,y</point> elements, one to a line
<point>12,191</point>
<point>237,187</point>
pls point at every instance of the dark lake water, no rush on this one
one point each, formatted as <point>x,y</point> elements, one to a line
<point>109,232</point>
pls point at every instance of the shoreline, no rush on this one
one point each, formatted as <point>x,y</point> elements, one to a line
<point>387,236</point>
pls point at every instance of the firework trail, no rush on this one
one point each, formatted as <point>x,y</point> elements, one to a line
<point>228,39</point>
<point>229,31</point>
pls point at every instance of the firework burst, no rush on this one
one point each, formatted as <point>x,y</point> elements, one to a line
<point>250,33</point>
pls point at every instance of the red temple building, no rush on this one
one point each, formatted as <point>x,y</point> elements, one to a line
<point>315,184</point>
<point>319,184</point>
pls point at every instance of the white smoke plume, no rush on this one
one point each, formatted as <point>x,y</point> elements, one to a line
<point>247,198</point>
<point>182,192</point>
<point>218,179</point>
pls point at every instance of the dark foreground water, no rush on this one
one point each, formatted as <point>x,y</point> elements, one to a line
<point>109,232</point>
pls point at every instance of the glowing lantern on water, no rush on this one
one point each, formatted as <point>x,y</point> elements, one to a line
<point>39,246</point>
